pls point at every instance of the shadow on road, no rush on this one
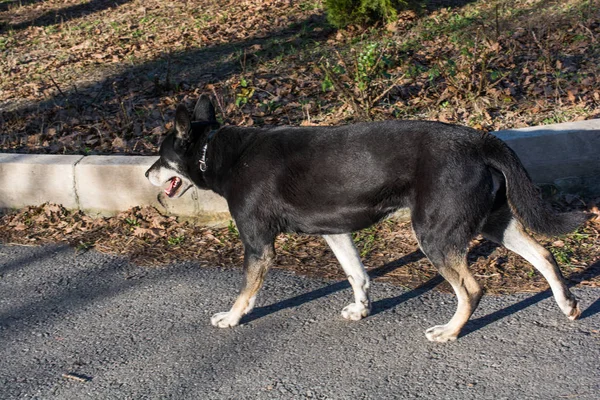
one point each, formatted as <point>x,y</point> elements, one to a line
<point>478,323</point>
<point>36,254</point>
<point>378,306</point>
<point>591,272</point>
<point>66,291</point>
<point>592,309</point>
<point>386,304</point>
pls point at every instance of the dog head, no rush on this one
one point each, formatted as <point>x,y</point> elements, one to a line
<point>177,167</point>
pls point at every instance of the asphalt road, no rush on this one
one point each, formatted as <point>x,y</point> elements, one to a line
<point>131,332</point>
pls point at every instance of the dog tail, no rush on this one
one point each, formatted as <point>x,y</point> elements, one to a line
<point>523,197</point>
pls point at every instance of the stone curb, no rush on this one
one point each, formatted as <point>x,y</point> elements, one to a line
<point>564,156</point>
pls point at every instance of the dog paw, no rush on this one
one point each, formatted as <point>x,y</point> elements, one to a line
<point>225,319</point>
<point>355,311</point>
<point>570,307</point>
<point>441,333</point>
<point>575,313</point>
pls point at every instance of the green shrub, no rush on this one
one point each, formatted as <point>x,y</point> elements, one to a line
<point>341,13</point>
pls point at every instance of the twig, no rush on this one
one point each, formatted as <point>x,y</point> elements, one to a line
<point>168,77</point>
<point>307,114</point>
<point>77,377</point>
<point>535,39</point>
<point>218,102</point>
<point>346,93</point>
<point>386,91</point>
<point>497,21</point>
<point>58,87</point>
<point>486,276</point>
<point>266,91</point>
<point>589,31</point>
<point>483,77</point>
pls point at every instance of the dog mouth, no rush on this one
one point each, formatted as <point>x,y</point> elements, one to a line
<point>174,186</point>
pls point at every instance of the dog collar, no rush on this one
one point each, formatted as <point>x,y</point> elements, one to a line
<point>202,161</point>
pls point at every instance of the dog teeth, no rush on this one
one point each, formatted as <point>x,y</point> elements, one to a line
<point>174,184</point>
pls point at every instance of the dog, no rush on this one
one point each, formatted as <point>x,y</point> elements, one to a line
<point>331,181</point>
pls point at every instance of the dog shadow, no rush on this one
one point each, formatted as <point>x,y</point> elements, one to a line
<point>296,301</point>
<point>389,303</point>
<point>593,309</point>
<point>589,273</point>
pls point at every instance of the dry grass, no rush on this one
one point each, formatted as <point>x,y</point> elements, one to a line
<point>105,76</point>
<point>389,249</point>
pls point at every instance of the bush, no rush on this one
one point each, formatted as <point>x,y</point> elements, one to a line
<point>341,13</point>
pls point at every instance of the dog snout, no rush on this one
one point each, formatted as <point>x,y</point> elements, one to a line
<point>151,173</point>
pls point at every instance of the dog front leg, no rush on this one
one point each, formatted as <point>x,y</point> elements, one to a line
<point>345,251</point>
<point>256,265</point>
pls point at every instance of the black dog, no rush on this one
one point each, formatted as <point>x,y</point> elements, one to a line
<point>331,181</point>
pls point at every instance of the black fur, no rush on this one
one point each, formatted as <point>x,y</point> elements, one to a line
<point>325,180</point>
<point>455,180</point>
<point>523,196</point>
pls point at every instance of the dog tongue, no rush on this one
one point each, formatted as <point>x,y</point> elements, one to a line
<point>169,190</point>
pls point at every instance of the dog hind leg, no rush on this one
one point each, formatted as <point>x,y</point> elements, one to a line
<point>453,267</point>
<point>256,265</point>
<point>345,251</point>
<point>447,213</point>
<point>512,236</point>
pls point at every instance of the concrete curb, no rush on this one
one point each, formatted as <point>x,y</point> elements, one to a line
<point>565,156</point>
<point>109,184</point>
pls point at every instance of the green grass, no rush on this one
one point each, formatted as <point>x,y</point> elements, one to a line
<point>132,222</point>
<point>365,240</point>
<point>232,229</point>
<point>309,5</point>
<point>176,240</point>
<point>562,255</point>
<point>84,246</point>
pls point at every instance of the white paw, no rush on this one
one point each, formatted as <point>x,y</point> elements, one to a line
<point>355,311</point>
<point>441,333</point>
<point>225,319</point>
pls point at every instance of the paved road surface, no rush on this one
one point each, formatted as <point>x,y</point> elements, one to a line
<point>145,333</point>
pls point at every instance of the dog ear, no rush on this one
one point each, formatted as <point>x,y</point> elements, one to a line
<point>183,124</point>
<point>204,110</point>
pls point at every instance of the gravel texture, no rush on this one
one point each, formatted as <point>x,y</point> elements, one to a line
<point>84,325</point>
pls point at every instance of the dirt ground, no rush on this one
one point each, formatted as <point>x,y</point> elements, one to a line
<point>105,77</point>
<point>389,249</point>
